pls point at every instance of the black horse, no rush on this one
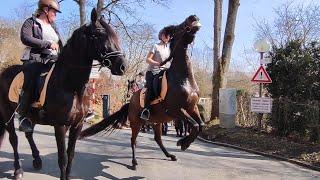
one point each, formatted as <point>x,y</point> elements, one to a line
<point>180,101</point>
<point>64,107</point>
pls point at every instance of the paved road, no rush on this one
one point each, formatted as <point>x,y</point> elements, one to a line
<point>109,157</point>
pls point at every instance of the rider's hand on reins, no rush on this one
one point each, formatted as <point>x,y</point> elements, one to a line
<point>54,46</point>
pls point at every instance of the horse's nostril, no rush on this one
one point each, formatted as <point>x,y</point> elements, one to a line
<point>122,68</point>
<point>107,63</point>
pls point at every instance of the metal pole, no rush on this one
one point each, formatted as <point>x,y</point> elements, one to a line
<point>260,116</point>
<point>106,105</point>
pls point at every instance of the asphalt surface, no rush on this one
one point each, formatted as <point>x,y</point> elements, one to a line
<point>109,157</point>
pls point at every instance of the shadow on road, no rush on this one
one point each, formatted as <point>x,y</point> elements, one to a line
<point>208,147</point>
<point>90,166</point>
<point>85,166</point>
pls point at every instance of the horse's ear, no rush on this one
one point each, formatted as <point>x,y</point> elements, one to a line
<point>94,15</point>
<point>102,18</point>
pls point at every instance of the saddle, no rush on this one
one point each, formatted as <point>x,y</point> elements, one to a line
<point>41,88</point>
<point>160,88</point>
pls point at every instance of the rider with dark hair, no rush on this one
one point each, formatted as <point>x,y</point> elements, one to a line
<point>158,53</point>
<point>43,42</point>
<point>140,80</point>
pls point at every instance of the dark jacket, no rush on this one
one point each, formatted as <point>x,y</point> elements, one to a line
<point>31,35</point>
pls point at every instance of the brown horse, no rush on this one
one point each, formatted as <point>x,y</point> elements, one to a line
<point>180,101</point>
<point>64,106</point>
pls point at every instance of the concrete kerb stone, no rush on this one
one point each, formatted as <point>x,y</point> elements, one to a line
<point>293,161</point>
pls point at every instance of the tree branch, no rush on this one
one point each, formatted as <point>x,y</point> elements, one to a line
<point>109,4</point>
<point>63,0</point>
<point>122,23</point>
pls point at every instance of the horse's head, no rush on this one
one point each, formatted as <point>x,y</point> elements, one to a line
<point>105,45</point>
<point>185,32</point>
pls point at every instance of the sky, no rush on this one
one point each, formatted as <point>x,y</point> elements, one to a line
<point>178,10</point>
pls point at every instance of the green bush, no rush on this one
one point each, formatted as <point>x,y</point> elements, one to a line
<point>295,89</point>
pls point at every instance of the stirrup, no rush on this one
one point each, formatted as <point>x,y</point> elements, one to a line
<point>145,114</point>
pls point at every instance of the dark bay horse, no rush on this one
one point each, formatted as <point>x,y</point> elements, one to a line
<point>64,107</point>
<point>180,101</point>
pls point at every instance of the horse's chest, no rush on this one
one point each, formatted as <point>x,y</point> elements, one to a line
<point>77,109</point>
<point>183,89</point>
<point>66,108</point>
<point>188,87</point>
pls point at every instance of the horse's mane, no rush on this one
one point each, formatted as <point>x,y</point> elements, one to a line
<point>111,34</point>
<point>171,30</point>
<point>79,35</point>
<point>72,43</point>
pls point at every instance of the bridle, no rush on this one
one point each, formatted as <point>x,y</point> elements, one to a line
<point>103,58</point>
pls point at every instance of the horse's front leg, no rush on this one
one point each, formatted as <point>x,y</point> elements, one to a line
<point>13,138</point>
<point>157,137</point>
<point>60,133</point>
<point>135,131</point>
<point>195,114</point>
<point>73,136</point>
<point>186,141</point>
<point>37,162</point>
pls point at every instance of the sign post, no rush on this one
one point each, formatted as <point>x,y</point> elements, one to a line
<point>261,76</point>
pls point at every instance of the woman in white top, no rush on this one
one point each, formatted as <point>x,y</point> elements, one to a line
<point>158,53</point>
<point>43,42</point>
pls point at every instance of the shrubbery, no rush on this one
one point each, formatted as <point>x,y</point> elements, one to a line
<point>295,71</point>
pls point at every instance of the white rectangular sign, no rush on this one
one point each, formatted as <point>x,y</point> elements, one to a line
<point>261,104</point>
<point>265,61</point>
<point>95,74</point>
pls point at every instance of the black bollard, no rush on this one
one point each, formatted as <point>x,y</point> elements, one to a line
<point>106,105</point>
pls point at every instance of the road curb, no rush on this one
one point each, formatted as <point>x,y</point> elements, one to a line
<point>293,161</point>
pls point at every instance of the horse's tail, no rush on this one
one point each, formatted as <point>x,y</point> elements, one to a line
<point>108,123</point>
<point>2,130</point>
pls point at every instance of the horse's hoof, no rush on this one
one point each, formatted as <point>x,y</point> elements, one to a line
<point>37,164</point>
<point>173,158</point>
<point>18,174</point>
<point>184,146</point>
<point>134,162</point>
<point>181,141</point>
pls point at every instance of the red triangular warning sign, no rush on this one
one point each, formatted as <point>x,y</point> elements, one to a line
<point>261,76</point>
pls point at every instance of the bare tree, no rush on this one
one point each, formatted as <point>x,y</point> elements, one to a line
<point>119,11</point>
<point>10,45</point>
<point>221,62</point>
<point>292,22</point>
<point>137,46</point>
<point>100,6</point>
<point>136,37</point>
<point>82,10</point>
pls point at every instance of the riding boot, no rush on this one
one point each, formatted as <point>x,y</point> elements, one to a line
<point>145,114</point>
<point>25,123</point>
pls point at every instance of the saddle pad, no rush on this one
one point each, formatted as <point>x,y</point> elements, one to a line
<point>16,86</point>
<point>163,92</point>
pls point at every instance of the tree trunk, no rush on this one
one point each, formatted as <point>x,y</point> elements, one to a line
<point>216,57</point>
<point>100,6</point>
<point>221,63</point>
<point>82,9</point>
